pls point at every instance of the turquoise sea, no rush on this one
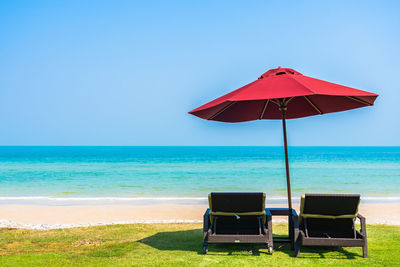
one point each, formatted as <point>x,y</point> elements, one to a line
<point>193,172</point>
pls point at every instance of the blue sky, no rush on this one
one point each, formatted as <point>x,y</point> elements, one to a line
<point>127,72</point>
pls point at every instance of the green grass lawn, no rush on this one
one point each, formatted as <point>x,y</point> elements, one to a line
<point>177,245</point>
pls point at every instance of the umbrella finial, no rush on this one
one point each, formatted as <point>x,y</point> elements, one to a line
<point>278,71</point>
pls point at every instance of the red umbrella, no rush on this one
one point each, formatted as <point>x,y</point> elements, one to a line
<point>283,93</point>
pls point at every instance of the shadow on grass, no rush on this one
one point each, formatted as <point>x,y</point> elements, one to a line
<point>319,252</point>
<point>191,240</point>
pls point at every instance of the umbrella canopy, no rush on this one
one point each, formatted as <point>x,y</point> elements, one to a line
<point>302,95</point>
<point>283,93</point>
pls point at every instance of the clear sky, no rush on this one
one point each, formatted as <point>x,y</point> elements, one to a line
<point>127,72</point>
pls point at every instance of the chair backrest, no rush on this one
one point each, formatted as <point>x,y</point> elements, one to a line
<point>237,202</point>
<point>329,205</point>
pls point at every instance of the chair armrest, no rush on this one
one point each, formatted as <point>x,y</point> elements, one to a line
<point>295,219</point>
<point>363,224</point>
<point>294,213</point>
<point>359,216</point>
<point>206,220</point>
<point>268,222</point>
<point>268,212</point>
<point>207,213</point>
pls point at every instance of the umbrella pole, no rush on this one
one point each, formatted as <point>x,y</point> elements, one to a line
<point>289,193</point>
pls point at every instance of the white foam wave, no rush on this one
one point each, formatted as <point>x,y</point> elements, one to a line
<point>380,198</point>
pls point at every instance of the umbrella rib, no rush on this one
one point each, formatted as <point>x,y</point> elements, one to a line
<point>275,102</point>
<point>287,101</point>
<point>222,110</point>
<point>263,111</point>
<point>313,105</point>
<point>359,100</point>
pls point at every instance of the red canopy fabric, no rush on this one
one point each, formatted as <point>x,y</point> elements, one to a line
<point>302,96</point>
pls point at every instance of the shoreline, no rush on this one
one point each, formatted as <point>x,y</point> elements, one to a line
<point>45,217</point>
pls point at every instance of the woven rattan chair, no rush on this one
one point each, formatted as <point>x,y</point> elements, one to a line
<point>237,218</point>
<point>329,220</point>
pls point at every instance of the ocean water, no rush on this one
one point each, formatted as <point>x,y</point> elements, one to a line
<point>193,172</point>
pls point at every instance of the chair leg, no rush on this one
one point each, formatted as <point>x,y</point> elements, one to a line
<point>295,238</point>
<point>205,247</point>
<point>291,231</point>
<point>205,241</point>
<point>297,251</point>
<point>364,233</point>
<point>297,245</point>
<point>365,249</point>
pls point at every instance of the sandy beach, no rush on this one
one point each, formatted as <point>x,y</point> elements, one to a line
<point>53,217</point>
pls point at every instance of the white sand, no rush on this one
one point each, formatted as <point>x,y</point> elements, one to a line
<point>53,217</point>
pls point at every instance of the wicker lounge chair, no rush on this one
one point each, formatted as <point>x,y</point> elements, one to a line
<point>237,218</point>
<point>328,220</point>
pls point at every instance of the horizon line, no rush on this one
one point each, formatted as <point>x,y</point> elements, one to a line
<point>197,146</point>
